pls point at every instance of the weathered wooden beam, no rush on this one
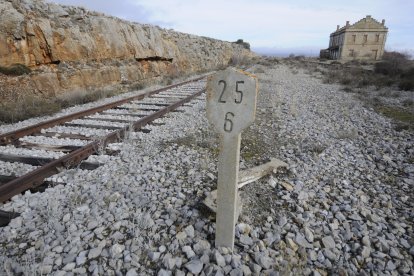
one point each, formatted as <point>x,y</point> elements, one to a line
<point>6,217</point>
<point>246,177</point>
<point>62,148</point>
<point>63,135</point>
<point>94,126</point>
<point>40,161</point>
<point>253,174</point>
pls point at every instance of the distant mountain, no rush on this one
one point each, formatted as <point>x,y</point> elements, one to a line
<point>310,51</point>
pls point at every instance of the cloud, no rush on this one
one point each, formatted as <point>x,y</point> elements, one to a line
<point>263,23</point>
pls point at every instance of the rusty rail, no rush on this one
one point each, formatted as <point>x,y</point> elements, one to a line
<point>37,176</point>
<point>12,136</point>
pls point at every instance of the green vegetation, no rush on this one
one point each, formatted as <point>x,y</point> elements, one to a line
<point>15,70</point>
<point>398,68</point>
<point>407,80</point>
<point>393,64</point>
<point>397,114</point>
<point>245,45</point>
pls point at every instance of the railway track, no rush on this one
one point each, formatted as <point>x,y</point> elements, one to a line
<point>65,142</point>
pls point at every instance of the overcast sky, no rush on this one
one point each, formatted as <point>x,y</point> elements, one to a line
<point>297,26</point>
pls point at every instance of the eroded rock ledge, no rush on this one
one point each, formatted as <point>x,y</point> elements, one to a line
<point>70,48</point>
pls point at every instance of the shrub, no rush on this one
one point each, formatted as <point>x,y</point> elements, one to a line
<point>346,80</point>
<point>364,81</point>
<point>408,74</point>
<point>383,81</point>
<point>348,89</point>
<point>408,102</point>
<point>407,80</point>
<point>300,57</point>
<point>239,60</point>
<point>392,64</point>
<point>245,45</point>
<point>406,84</point>
<point>15,70</point>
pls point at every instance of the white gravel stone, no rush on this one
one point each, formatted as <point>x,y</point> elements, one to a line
<point>117,249</point>
<point>154,256</point>
<point>188,252</point>
<point>94,252</point>
<point>309,235</point>
<point>81,258</point>
<point>328,242</point>
<point>194,266</point>
<point>219,259</point>
<point>189,230</point>
<point>349,180</point>
<point>132,272</point>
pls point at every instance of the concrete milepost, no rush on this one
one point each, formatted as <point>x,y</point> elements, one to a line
<point>231,107</point>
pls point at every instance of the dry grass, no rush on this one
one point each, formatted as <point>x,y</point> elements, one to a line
<point>27,107</point>
<point>379,85</point>
<point>239,60</point>
<point>268,61</point>
<point>31,106</point>
<point>81,97</point>
<point>394,69</point>
<point>398,114</point>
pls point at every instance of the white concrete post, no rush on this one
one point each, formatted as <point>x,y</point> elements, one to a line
<point>231,107</point>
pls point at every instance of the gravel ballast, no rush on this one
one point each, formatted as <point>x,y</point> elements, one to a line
<point>343,207</point>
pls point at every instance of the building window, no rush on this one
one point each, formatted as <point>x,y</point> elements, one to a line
<point>351,52</point>
<point>377,38</point>
<point>365,38</point>
<point>353,38</point>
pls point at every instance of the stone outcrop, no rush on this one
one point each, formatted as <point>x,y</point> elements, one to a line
<point>70,48</point>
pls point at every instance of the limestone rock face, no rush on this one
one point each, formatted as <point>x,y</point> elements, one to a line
<point>72,48</point>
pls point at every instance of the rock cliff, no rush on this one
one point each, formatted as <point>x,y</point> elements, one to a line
<point>70,48</point>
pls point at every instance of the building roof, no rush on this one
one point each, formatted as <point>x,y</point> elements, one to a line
<point>365,23</point>
<point>368,23</point>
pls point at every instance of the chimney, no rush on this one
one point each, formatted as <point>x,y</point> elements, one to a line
<point>347,23</point>
<point>383,22</point>
<point>337,27</point>
<point>368,16</point>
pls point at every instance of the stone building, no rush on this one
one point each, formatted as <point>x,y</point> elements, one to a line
<point>364,40</point>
